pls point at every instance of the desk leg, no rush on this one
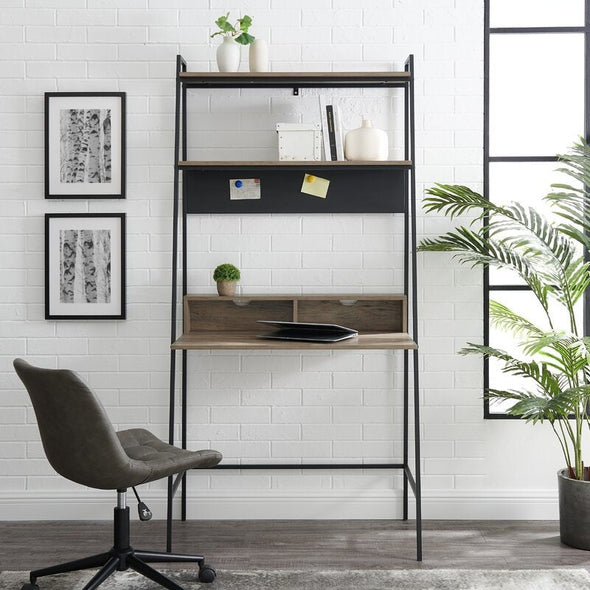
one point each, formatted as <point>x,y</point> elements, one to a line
<point>169,516</point>
<point>184,428</point>
<point>406,434</point>
<point>417,479</point>
<point>170,498</point>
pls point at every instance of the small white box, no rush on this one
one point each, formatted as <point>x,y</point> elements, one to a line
<point>299,141</point>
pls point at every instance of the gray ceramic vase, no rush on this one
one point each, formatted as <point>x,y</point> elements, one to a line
<point>574,511</point>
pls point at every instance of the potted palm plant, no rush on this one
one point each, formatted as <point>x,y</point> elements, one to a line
<point>553,359</point>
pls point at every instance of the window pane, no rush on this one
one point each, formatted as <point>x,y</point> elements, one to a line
<point>525,304</point>
<point>526,183</point>
<point>536,93</point>
<point>536,13</point>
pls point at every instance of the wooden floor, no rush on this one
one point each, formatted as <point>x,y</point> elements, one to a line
<point>293,544</point>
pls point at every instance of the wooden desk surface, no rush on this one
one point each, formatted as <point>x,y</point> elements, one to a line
<point>247,340</point>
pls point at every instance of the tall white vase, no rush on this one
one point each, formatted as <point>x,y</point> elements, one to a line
<point>258,56</point>
<point>228,55</point>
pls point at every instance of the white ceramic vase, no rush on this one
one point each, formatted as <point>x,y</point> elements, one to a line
<point>228,55</point>
<point>366,143</point>
<point>258,56</point>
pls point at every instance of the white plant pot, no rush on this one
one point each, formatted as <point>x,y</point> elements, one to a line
<point>366,143</point>
<point>258,56</point>
<point>228,55</point>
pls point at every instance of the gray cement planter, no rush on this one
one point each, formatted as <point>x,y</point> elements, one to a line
<point>574,511</point>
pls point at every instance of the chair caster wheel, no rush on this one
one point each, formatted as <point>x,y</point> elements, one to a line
<point>30,586</point>
<point>206,574</point>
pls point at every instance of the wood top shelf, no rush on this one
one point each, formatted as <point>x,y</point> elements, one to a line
<point>319,76</point>
<point>295,79</point>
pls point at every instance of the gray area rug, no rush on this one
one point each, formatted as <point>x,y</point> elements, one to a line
<point>558,579</point>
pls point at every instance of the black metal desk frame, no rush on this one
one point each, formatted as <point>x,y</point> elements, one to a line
<point>404,80</point>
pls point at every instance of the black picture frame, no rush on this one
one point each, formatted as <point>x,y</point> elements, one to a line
<point>85,266</point>
<point>85,145</point>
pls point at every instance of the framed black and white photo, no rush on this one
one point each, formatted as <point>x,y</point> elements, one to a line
<point>84,145</point>
<point>84,266</point>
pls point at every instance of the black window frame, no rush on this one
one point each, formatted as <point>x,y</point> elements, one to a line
<point>487,288</point>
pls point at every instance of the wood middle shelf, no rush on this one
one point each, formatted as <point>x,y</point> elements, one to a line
<point>290,164</point>
<point>213,322</point>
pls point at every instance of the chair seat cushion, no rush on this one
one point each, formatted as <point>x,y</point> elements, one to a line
<point>161,458</point>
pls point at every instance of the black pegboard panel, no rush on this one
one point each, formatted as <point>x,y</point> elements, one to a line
<point>381,190</point>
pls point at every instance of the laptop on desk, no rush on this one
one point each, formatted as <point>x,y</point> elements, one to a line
<point>306,331</point>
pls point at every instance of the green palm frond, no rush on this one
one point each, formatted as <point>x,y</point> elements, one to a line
<point>572,206</point>
<point>564,355</point>
<point>534,232</point>
<point>579,234</point>
<point>572,203</point>
<point>505,319</point>
<point>544,341</point>
<point>474,247</point>
<point>528,406</point>
<point>486,351</point>
<point>577,276</point>
<point>533,408</point>
<point>454,200</point>
<point>577,162</point>
<point>534,236</point>
<point>540,373</point>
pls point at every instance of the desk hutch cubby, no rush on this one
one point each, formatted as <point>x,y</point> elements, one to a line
<point>384,321</point>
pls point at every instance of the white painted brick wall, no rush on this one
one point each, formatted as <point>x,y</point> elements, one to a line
<point>253,406</point>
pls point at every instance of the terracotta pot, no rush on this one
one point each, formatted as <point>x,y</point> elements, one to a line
<point>227,288</point>
<point>574,511</point>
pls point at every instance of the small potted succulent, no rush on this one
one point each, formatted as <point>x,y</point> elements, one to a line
<point>226,276</point>
<point>228,53</point>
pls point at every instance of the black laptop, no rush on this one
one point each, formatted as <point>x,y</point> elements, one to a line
<point>308,332</point>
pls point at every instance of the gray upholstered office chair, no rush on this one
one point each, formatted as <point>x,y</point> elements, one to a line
<point>82,445</point>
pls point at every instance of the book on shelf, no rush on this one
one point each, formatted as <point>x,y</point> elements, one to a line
<point>331,130</point>
<point>324,124</point>
<point>338,132</point>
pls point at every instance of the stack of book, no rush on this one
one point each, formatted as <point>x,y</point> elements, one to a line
<point>331,130</point>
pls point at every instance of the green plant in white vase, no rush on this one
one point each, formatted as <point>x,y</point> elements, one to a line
<point>234,35</point>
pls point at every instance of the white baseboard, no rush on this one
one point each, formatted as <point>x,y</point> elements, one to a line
<point>272,504</point>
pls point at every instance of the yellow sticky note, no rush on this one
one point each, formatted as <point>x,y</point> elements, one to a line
<point>315,186</point>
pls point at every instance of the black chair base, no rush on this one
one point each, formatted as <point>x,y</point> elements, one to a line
<point>123,557</point>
